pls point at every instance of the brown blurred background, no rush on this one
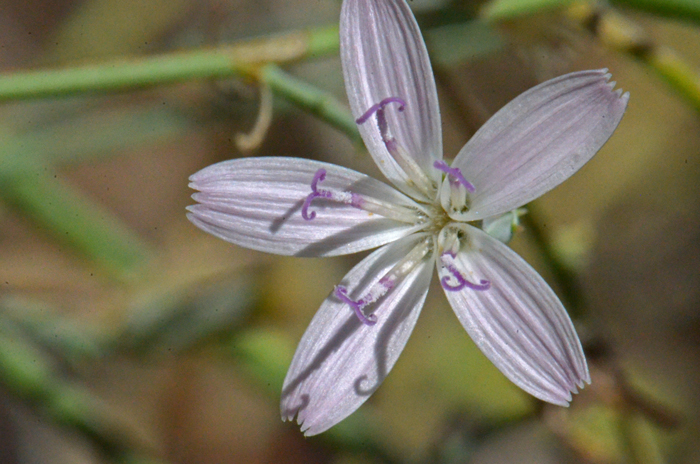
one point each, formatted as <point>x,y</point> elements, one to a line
<point>179,360</point>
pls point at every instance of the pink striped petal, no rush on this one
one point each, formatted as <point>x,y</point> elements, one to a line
<point>384,56</point>
<point>538,140</point>
<point>257,203</point>
<point>340,362</point>
<point>518,322</point>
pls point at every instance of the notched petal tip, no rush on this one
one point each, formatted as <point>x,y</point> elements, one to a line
<point>584,381</point>
<point>567,392</point>
<point>203,174</point>
<point>584,378</point>
<point>611,84</point>
<point>562,397</point>
<point>619,92</point>
<point>296,414</point>
<point>196,214</point>
<point>625,96</point>
<point>565,403</point>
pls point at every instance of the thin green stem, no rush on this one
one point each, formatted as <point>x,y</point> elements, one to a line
<point>29,373</point>
<point>564,276</point>
<point>227,61</point>
<point>317,102</point>
<point>677,73</point>
<point>499,10</point>
<point>688,10</point>
<point>618,32</point>
<point>75,219</point>
<point>88,137</point>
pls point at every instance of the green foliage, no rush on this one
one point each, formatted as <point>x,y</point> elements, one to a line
<point>497,10</point>
<point>688,10</point>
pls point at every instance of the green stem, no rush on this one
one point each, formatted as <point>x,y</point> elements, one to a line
<point>317,102</point>
<point>232,60</point>
<point>688,10</point>
<point>572,295</point>
<point>101,134</point>
<point>620,33</point>
<point>677,73</point>
<point>638,442</point>
<point>30,374</point>
<point>75,219</point>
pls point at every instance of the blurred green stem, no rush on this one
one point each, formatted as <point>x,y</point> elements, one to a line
<point>688,10</point>
<point>676,72</point>
<point>226,61</point>
<point>317,102</point>
<point>75,219</point>
<point>572,295</point>
<point>621,33</point>
<point>498,10</point>
<point>640,445</point>
<point>30,374</point>
<point>88,136</point>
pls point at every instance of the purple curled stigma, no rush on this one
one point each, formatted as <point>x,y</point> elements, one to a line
<point>389,142</point>
<point>349,198</point>
<point>456,173</point>
<point>462,282</point>
<point>342,293</point>
<point>379,109</point>
<point>315,193</point>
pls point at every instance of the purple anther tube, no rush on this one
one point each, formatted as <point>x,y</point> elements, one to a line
<point>456,173</point>
<point>342,293</point>
<point>315,193</point>
<point>462,282</point>
<point>389,142</point>
<point>380,107</point>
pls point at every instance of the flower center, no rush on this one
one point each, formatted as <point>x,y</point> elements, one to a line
<point>454,193</point>
<point>388,281</point>
<point>450,242</point>
<point>454,176</point>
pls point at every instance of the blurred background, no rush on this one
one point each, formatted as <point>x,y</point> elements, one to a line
<point>127,335</point>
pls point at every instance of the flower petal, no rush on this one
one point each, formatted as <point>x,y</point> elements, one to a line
<point>518,323</point>
<point>256,203</point>
<point>383,56</point>
<point>539,140</point>
<point>340,362</point>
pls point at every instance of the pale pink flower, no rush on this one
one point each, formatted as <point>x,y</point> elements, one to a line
<point>300,207</point>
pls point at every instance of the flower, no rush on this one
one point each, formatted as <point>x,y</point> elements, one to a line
<point>302,207</point>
